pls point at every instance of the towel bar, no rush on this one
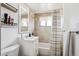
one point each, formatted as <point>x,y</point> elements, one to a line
<point>77,32</point>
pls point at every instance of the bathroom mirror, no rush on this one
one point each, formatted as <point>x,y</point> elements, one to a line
<point>24,18</point>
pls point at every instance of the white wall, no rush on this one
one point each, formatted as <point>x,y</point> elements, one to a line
<point>8,35</point>
<point>71,22</point>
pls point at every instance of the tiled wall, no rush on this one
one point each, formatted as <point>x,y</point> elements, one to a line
<point>56,35</point>
<point>42,31</point>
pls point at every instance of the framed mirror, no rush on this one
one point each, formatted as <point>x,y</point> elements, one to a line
<point>24,18</point>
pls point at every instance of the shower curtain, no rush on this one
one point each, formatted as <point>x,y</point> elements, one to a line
<point>56,35</point>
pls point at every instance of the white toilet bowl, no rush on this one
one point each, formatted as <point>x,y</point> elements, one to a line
<point>10,51</point>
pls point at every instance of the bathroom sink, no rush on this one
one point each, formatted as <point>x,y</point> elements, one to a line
<point>31,38</point>
<point>35,37</point>
<point>29,46</point>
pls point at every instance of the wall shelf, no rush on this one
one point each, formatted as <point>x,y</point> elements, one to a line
<point>2,25</point>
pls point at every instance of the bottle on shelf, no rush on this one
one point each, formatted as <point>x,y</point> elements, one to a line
<point>12,21</point>
<point>9,19</point>
<point>5,18</point>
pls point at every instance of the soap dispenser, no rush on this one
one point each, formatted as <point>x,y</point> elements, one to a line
<point>29,34</point>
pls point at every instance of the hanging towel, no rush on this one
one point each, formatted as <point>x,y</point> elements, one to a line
<point>70,44</point>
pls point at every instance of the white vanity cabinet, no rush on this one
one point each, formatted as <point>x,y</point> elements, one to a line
<point>29,46</point>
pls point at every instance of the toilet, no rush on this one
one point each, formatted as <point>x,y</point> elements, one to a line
<point>10,51</point>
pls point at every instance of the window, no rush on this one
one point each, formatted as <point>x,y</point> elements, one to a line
<point>49,21</point>
<point>42,21</point>
<point>46,21</point>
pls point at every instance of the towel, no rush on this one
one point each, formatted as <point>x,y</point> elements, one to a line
<point>70,44</point>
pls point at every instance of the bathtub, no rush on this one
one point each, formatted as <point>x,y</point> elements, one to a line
<point>44,49</point>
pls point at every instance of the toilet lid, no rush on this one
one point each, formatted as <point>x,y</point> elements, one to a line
<point>11,48</point>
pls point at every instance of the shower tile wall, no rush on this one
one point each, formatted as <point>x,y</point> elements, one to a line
<point>57,35</point>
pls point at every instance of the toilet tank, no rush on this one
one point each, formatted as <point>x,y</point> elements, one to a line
<point>10,51</point>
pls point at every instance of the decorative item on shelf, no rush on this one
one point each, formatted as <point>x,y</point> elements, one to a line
<point>5,18</point>
<point>9,20</point>
<point>12,21</point>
